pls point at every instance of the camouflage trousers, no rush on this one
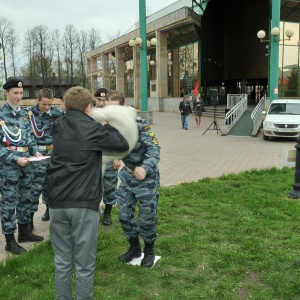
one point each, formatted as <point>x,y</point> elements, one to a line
<point>110,181</point>
<point>145,192</point>
<point>39,175</point>
<point>15,198</point>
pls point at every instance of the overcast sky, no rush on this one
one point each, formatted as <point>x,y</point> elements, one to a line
<point>108,16</point>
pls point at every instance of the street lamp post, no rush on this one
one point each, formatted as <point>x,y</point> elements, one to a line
<point>274,48</point>
<point>143,43</point>
<point>274,53</point>
<point>143,56</point>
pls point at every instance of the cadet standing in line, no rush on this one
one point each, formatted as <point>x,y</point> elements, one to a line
<point>41,116</point>
<point>100,97</point>
<point>111,174</point>
<point>17,145</point>
<point>139,183</point>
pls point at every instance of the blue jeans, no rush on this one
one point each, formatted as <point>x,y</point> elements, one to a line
<point>185,121</point>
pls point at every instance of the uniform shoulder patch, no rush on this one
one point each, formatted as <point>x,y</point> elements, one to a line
<point>154,140</point>
<point>146,127</point>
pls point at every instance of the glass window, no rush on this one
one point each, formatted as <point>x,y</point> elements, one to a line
<point>25,93</point>
<point>288,75</point>
<point>284,109</point>
<point>283,28</point>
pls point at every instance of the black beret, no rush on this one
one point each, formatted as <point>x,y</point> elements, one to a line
<point>13,83</point>
<point>101,92</point>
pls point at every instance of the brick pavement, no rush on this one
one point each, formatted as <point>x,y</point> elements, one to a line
<point>188,155</point>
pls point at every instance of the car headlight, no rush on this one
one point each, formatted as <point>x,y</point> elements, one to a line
<point>268,124</point>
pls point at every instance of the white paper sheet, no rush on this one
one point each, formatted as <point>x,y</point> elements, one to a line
<point>33,158</point>
<point>137,261</point>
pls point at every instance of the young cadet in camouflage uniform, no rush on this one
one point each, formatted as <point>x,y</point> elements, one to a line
<point>139,182</point>
<point>100,95</point>
<point>17,145</point>
<point>41,116</point>
<point>110,178</point>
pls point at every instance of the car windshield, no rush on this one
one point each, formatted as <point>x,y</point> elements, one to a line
<point>284,109</point>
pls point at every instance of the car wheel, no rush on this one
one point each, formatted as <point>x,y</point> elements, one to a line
<point>266,138</point>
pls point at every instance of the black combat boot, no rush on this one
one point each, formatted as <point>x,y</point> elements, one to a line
<point>26,236</point>
<point>12,246</point>
<point>31,226</point>
<point>106,215</point>
<point>149,255</point>
<point>134,250</point>
<point>46,215</point>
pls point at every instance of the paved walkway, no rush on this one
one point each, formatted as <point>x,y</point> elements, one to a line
<point>188,155</point>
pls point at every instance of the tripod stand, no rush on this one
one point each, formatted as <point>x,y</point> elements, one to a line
<point>215,123</point>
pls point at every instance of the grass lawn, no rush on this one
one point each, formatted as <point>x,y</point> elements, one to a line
<point>232,237</point>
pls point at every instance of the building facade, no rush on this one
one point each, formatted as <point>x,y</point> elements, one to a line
<point>210,44</point>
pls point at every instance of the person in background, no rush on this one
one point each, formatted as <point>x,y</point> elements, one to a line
<point>252,96</point>
<point>100,97</point>
<point>16,147</point>
<point>75,190</point>
<point>139,184</point>
<point>263,92</point>
<point>181,92</point>
<point>62,104</point>
<point>198,106</point>
<point>185,111</point>
<point>41,116</point>
<point>110,178</point>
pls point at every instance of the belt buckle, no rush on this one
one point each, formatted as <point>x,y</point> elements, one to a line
<point>25,149</point>
<point>48,147</point>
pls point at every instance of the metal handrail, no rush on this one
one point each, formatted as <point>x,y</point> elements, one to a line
<point>257,116</point>
<point>233,99</point>
<point>235,112</point>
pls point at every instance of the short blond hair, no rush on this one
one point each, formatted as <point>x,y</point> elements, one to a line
<point>78,98</point>
<point>115,96</point>
<point>45,93</point>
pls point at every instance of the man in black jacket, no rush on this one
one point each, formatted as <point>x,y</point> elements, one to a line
<point>75,190</point>
<point>185,110</point>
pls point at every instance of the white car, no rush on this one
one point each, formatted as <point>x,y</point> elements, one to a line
<point>282,119</point>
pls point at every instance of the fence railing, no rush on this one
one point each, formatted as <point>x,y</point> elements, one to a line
<point>257,116</point>
<point>235,113</point>
<point>234,99</point>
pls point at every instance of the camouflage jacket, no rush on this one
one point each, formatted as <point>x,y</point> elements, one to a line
<point>146,153</point>
<point>41,123</point>
<point>15,130</point>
